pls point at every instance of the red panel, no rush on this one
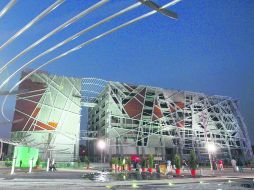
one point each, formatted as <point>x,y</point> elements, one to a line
<point>140,98</point>
<point>143,92</point>
<point>137,117</point>
<point>171,108</point>
<point>180,105</point>
<point>180,124</point>
<point>127,87</point>
<point>26,106</point>
<point>44,126</point>
<point>157,111</point>
<point>17,126</point>
<point>36,111</point>
<point>154,117</point>
<point>133,107</point>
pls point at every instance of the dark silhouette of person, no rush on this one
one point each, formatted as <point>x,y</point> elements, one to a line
<point>52,167</point>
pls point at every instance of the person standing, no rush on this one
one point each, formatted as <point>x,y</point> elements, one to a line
<point>233,162</point>
<point>169,167</point>
<point>220,165</point>
<point>240,165</point>
<point>214,164</point>
<point>184,164</point>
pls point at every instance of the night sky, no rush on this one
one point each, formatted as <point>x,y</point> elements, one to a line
<point>209,49</point>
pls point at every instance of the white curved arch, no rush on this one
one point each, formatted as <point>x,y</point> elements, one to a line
<point>53,32</point>
<point>69,39</point>
<point>32,22</point>
<point>7,7</point>
<point>85,44</point>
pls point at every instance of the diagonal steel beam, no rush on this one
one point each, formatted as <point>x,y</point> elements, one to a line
<point>31,23</point>
<point>85,44</point>
<point>7,7</point>
<point>53,32</point>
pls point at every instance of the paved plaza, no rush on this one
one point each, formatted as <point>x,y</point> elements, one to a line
<point>72,179</point>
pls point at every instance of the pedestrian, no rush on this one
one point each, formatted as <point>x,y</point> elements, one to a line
<point>169,167</point>
<point>52,167</point>
<point>233,162</point>
<point>239,163</point>
<point>220,165</point>
<point>184,164</point>
<point>214,164</point>
<point>20,163</point>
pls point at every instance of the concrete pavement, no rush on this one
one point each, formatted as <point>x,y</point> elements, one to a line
<point>72,179</point>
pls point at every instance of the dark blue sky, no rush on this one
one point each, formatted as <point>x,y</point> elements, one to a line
<point>209,49</point>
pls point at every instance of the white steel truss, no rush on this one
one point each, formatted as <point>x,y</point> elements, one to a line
<point>148,117</point>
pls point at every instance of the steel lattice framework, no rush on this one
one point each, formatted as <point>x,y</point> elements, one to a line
<point>143,119</point>
<point>133,119</point>
<point>147,120</point>
<point>49,113</point>
<point>87,97</point>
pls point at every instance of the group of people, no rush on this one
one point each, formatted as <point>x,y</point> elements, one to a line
<point>218,165</point>
<point>237,165</point>
<point>170,167</point>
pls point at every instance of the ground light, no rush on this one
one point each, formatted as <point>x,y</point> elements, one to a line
<point>134,185</point>
<point>101,145</point>
<point>170,184</point>
<point>211,148</point>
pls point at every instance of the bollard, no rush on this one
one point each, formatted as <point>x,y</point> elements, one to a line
<point>31,165</point>
<point>13,166</point>
<point>201,171</point>
<point>48,165</point>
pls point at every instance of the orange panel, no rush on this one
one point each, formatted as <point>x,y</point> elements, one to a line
<point>44,126</point>
<point>53,124</point>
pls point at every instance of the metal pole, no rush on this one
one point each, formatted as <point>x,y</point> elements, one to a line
<point>31,165</point>
<point>101,160</point>
<point>13,166</point>
<point>48,165</point>
<point>211,164</point>
<point>1,150</point>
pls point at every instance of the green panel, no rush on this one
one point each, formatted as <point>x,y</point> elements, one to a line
<point>25,154</point>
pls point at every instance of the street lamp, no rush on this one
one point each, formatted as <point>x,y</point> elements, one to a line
<point>101,145</point>
<point>211,149</point>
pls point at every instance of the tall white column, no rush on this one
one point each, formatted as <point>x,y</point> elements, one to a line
<point>13,166</point>
<point>1,149</point>
<point>48,165</point>
<point>30,165</point>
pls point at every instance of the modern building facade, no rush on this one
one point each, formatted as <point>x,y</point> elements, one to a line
<point>47,115</point>
<point>142,120</point>
<point>131,119</point>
